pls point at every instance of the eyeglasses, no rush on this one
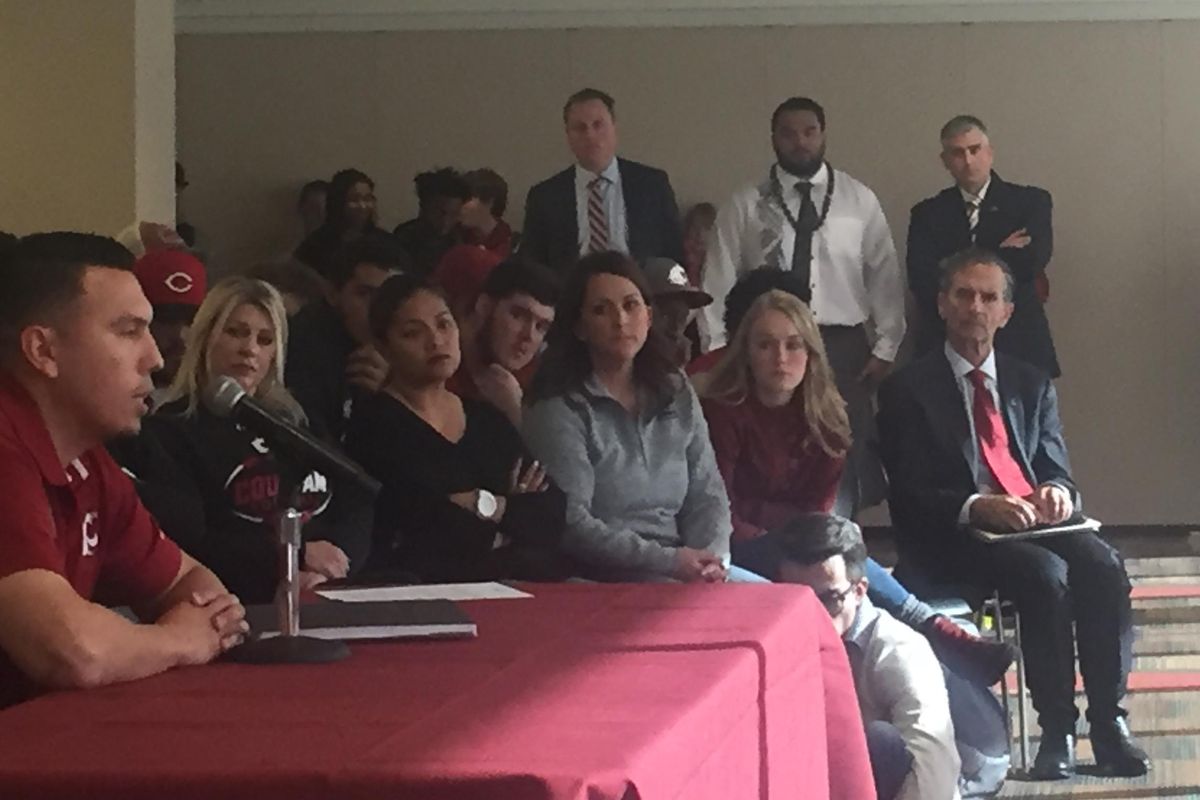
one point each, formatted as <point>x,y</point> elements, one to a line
<point>834,599</point>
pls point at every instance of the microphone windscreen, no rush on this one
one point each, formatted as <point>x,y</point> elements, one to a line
<point>221,395</point>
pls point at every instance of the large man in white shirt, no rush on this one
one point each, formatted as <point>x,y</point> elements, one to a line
<point>901,692</point>
<point>829,228</point>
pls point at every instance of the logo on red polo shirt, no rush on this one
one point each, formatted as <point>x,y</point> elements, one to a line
<point>90,537</point>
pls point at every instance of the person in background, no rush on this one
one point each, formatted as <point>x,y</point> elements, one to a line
<point>441,194</point>
<point>186,231</point>
<point>749,287</point>
<point>310,205</point>
<point>620,429</point>
<point>461,274</point>
<point>481,216</point>
<point>350,214</point>
<point>503,334</point>
<point>983,210</point>
<point>676,300</point>
<point>230,473</point>
<point>698,223</point>
<point>900,687</point>
<point>780,434</point>
<point>174,281</point>
<point>462,500</point>
<point>829,228</point>
<point>76,357</point>
<point>333,362</point>
<point>601,202</point>
<point>299,284</point>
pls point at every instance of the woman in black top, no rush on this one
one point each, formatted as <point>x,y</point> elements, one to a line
<point>350,214</point>
<point>227,476</point>
<point>461,499</point>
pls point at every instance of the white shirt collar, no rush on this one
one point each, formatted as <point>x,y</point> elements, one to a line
<point>962,367</point>
<point>976,198</point>
<point>612,172</point>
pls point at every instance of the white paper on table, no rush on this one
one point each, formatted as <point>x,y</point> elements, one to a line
<point>433,591</point>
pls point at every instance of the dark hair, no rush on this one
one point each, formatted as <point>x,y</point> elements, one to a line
<point>753,285</point>
<point>586,96</point>
<point>567,362</point>
<point>373,248</point>
<point>43,273</point>
<point>339,189</point>
<point>289,277</point>
<point>443,182</point>
<point>312,187</point>
<point>814,537</point>
<point>961,124</point>
<point>798,104</point>
<point>700,211</point>
<point>489,187</point>
<point>518,274</point>
<point>953,264</point>
<point>394,293</point>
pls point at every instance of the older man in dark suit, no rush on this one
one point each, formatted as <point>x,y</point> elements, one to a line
<point>601,202</point>
<point>985,211</point>
<point>971,437</point>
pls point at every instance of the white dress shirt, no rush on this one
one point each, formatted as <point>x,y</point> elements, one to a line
<point>899,680</point>
<point>856,276</point>
<point>614,207</point>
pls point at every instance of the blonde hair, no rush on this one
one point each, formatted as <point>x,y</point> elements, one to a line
<point>731,381</point>
<point>222,300</point>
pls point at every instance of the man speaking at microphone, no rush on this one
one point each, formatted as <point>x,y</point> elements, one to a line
<point>76,356</point>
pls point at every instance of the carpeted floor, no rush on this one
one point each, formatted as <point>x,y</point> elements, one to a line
<point>1164,700</point>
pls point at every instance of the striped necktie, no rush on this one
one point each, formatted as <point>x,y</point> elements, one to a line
<point>597,216</point>
<point>973,215</point>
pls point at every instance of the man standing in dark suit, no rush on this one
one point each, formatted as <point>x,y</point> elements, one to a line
<point>972,438</point>
<point>985,211</point>
<point>602,202</point>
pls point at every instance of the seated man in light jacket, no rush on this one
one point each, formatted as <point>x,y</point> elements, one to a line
<point>901,692</point>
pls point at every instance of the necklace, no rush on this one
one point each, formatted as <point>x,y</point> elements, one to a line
<point>777,189</point>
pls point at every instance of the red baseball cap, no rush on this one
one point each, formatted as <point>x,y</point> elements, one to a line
<point>172,278</point>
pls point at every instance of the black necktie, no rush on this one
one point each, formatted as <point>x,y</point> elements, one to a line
<point>806,223</point>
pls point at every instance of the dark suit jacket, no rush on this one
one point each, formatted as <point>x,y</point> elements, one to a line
<point>925,444</point>
<point>938,228</point>
<point>551,234</point>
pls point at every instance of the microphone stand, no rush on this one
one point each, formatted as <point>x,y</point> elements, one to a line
<point>290,646</point>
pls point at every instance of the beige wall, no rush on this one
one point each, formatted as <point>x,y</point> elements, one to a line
<point>1101,114</point>
<point>87,124</point>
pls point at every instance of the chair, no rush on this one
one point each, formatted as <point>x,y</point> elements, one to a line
<point>969,601</point>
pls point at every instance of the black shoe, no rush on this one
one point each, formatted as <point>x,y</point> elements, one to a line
<point>1116,752</point>
<point>1055,757</point>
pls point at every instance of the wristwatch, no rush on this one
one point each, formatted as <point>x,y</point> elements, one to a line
<point>485,504</point>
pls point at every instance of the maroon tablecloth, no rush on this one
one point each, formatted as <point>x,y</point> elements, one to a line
<point>585,692</point>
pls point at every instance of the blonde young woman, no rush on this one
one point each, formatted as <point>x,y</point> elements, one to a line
<point>780,433</point>
<point>228,476</point>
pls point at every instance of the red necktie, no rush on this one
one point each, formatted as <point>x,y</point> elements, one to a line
<point>993,441</point>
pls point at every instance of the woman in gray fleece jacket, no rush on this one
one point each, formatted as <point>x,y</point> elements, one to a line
<point>619,428</point>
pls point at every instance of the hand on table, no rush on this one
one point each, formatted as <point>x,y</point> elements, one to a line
<point>327,559</point>
<point>211,623</point>
<point>697,566</point>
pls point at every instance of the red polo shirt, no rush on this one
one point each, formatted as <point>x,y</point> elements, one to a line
<point>84,522</point>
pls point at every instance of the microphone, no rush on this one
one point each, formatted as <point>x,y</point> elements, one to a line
<point>224,397</point>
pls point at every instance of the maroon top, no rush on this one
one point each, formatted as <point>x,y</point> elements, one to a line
<point>773,468</point>
<point>83,522</point>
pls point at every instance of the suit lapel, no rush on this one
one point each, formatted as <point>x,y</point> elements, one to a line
<point>633,209</point>
<point>956,218</point>
<point>1014,413</point>
<point>947,412</point>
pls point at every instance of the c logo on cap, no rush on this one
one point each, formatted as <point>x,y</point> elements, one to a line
<point>179,282</point>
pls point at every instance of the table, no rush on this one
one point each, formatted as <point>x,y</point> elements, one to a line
<point>584,692</point>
